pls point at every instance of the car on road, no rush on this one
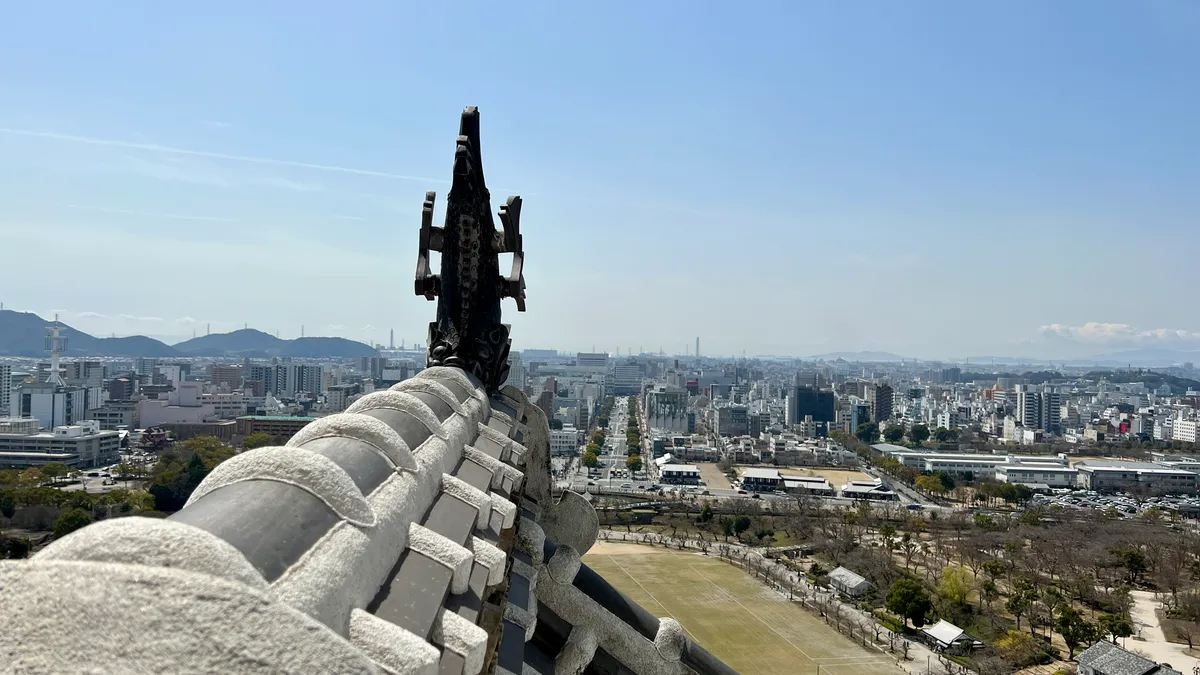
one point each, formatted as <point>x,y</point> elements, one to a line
<point>914,507</point>
<point>591,482</point>
<point>93,474</point>
<point>627,486</point>
<point>741,491</point>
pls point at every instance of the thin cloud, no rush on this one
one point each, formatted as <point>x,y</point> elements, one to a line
<point>153,147</point>
<point>216,124</point>
<point>91,315</point>
<point>1117,333</point>
<point>150,214</point>
<point>130,317</point>
<point>342,216</point>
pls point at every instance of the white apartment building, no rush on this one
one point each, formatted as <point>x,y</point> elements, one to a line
<point>1184,429</point>
<point>81,445</point>
<point>6,389</point>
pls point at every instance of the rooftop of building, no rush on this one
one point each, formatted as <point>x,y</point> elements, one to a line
<point>277,418</point>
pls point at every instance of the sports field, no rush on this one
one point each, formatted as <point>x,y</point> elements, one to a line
<point>747,625</point>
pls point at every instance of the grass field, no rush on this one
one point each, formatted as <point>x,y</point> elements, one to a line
<point>747,625</point>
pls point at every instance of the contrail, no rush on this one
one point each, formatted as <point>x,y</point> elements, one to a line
<point>50,135</point>
<point>176,216</point>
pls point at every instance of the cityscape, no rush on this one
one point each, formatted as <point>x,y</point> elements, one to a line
<point>919,451</point>
<point>779,338</point>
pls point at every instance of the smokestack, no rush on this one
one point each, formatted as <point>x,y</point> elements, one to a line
<point>697,347</point>
<point>392,339</point>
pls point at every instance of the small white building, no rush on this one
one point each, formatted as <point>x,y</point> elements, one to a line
<point>680,474</point>
<point>849,583</point>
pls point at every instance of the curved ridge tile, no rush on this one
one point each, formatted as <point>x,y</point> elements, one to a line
<point>578,652</point>
<point>313,473</point>
<point>459,377</point>
<point>243,630</point>
<point>431,386</point>
<point>156,542</point>
<point>398,400</point>
<point>463,638</point>
<point>670,640</point>
<point>365,428</point>
<point>499,469</point>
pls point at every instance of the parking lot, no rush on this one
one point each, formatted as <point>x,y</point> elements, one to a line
<point>1126,505</point>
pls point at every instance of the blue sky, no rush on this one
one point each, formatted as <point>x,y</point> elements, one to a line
<point>937,179</point>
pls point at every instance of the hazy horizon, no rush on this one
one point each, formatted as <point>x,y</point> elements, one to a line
<point>933,181</point>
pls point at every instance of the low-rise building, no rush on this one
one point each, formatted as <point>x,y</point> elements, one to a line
<point>849,583</point>
<point>762,480</point>
<point>680,474</point>
<point>1051,475</point>
<point>869,490</point>
<point>1105,658</point>
<point>81,445</point>
<point>564,442</point>
<point>808,485</point>
<point>1118,476</point>
<point>279,427</point>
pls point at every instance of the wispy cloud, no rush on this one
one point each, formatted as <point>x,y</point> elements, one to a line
<point>149,214</point>
<point>270,161</point>
<point>288,184</point>
<point>1119,333</point>
<point>91,315</point>
<point>216,124</point>
<point>150,319</point>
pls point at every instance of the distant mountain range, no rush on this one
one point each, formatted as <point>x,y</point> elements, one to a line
<point>24,334</point>
<point>861,356</point>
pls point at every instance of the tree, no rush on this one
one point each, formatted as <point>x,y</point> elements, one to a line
<point>1021,600</point>
<point>1115,626</point>
<point>71,520</point>
<point>1075,630</point>
<point>956,584</point>
<point>867,432</point>
<point>918,434</point>
<point>556,424</point>
<point>930,484</point>
<point>591,460</point>
<point>7,505</point>
<point>893,434</point>
<point>31,477</point>
<point>1133,560</point>
<point>258,440</point>
<point>909,599</point>
<point>634,462</point>
<point>706,513</point>
<point>55,470</point>
<point>1018,648</point>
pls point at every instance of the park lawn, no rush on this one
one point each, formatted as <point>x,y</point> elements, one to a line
<point>751,627</point>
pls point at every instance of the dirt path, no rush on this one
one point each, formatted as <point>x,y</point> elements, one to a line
<point>1153,643</point>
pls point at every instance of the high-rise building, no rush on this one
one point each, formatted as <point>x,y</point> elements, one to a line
<point>1039,409</point>
<point>228,375</point>
<point>880,396</point>
<point>626,379</point>
<point>805,401</point>
<point>6,389</point>
<point>516,372</point>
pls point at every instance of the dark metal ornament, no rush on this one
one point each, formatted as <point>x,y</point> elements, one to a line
<point>468,333</point>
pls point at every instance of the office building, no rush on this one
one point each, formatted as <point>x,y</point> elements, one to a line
<point>591,360</point>
<point>516,372</point>
<point>732,420</point>
<point>666,408</point>
<point>805,401</point>
<point>81,445</point>
<point>229,376</point>
<point>565,441</point>
<point>280,428</point>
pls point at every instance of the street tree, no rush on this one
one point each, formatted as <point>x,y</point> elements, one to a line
<point>54,471</point>
<point>634,463</point>
<point>591,460</point>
